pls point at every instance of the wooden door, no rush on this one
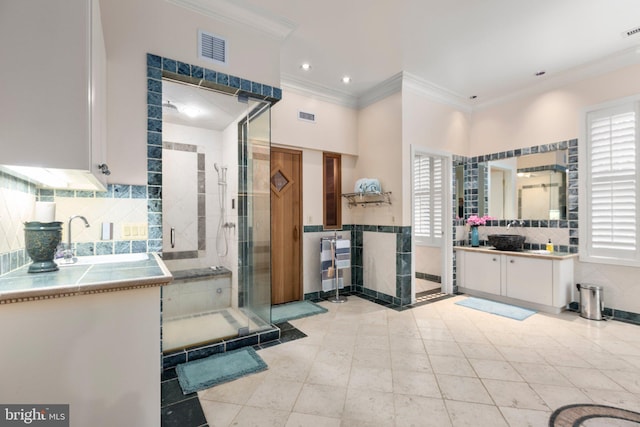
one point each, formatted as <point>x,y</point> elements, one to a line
<point>286,225</point>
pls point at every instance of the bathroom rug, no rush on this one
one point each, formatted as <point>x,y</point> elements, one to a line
<point>217,369</point>
<point>493,307</point>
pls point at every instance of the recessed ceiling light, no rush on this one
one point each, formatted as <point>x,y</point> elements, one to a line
<point>305,66</point>
<point>540,73</point>
<point>346,80</point>
<point>191,111</point>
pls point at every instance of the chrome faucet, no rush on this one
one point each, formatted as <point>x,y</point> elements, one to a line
<point>68,253</point>
<point>515,223</point>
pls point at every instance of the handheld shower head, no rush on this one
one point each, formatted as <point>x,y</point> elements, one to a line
<point>215,166</point>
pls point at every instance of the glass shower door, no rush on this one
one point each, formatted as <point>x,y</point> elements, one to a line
<point>254,215</point>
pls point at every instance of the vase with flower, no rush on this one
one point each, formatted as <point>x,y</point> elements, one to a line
<point>474,221</point>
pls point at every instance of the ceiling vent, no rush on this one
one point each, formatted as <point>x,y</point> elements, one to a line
<point>212,48</point>
<point>307,117</point>
<point>631,32</point>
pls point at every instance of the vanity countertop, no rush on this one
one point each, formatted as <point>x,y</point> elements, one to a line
<point>525,253</point>
<point>85,278</point>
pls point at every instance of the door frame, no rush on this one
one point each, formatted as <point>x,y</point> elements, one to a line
<point>300,219</point>
<point>446,248</point>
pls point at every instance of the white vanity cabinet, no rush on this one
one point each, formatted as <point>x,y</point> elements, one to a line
<point>53,86</point>
<point>481,272</point>
<point>541,282</point>
<point>529,279</point>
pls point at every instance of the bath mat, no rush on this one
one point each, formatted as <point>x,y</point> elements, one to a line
<point>506,310</point>
<point>295,310</point>
<point>219,368</point>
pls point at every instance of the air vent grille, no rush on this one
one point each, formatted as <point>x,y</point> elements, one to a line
<point>212,47</point>
<point>307,117</point>
<point>632,32</point>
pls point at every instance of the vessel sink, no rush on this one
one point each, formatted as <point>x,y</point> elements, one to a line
<point>103,259</point>
<point>506,242</point>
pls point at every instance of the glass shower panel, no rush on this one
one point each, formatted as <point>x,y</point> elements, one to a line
<point>255,215</point>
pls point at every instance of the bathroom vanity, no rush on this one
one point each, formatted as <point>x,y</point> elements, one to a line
<point>87,335</point>
<point>540,281</point>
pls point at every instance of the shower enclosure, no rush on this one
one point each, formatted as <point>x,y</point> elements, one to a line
<point>215,215</point>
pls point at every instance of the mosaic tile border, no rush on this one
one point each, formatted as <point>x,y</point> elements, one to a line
<point>403,259</point>
<point>182,356</point>
<point>114,191</point>
<point>157,68</point>
<point>611,313</point>
<point>472,181</point>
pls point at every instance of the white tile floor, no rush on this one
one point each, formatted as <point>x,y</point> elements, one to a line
<point>436,365</point>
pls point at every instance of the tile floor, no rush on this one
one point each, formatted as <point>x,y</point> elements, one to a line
<point>439,364</point>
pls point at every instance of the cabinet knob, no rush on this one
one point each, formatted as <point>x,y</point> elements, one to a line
<point>512,261</point>
<point>495,259</point>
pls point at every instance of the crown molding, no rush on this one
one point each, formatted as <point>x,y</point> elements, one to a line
<point>435,92</point>
<point>313,90</point>
<point>380,91</point>
<point>238,12</point>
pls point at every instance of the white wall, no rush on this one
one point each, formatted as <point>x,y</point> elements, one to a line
<point>554,116</point>
<point>380,156</point>
<point>134,28</point>
<point>547,117</point>
<point>335,128</point>
<point>430,125</point>
<point>98,353</point>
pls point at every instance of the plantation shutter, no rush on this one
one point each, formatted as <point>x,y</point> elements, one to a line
<point>613,187</point>
<point>428,198</point>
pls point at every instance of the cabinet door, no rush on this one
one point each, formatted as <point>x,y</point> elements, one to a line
<point>481,272</point>
<point>44,83</point>
<point>529,279</point>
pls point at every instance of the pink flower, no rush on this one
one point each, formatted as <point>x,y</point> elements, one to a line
<point>475,220</point>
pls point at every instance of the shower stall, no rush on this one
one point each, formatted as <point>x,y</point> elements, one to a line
<point>215,216</point>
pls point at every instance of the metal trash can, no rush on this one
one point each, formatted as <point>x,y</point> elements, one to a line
<point>591,304</point>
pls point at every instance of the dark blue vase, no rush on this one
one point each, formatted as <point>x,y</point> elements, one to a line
<point>475,236</point>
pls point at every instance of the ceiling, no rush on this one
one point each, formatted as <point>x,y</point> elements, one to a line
<point>490,49</point>
<point>208,109</point>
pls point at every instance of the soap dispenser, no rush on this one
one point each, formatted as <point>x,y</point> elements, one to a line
<point>550,246</point>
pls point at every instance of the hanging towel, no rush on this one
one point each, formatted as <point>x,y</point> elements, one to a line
<point>328,265</point>
<point>343,253</point>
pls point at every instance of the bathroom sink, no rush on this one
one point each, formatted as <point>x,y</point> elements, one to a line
<point>506,242</point>
<point>104,259</point>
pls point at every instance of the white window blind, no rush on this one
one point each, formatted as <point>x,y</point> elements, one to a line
<point>612,185</point>
<point>428,198</point>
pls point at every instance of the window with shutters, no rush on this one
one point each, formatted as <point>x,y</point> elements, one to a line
<point>609,200</point>
<point>428,194</point>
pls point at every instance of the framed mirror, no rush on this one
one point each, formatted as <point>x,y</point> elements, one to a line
<point>528,187</point>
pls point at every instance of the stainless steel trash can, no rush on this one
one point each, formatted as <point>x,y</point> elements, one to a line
<point>591,303</point>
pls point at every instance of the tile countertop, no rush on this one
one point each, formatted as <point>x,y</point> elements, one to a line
<point>20,286</point>
<point>525,253</point>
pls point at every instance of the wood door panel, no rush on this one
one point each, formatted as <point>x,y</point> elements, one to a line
<point>286,225</point>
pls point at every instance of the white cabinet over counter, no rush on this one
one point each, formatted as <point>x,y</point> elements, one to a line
<point>541,282</point>
<point>53,86</point>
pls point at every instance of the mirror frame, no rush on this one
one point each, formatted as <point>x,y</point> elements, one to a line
<point>471,195</point>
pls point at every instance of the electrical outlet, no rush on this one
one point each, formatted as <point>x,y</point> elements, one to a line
<point>134,231</point>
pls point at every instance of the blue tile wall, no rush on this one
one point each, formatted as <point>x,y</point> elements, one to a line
<point>403,261</point>
<point>475,175</point>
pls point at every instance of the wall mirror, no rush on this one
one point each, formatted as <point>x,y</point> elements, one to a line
<point>528,187</point>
